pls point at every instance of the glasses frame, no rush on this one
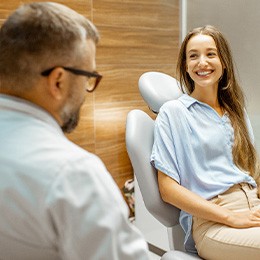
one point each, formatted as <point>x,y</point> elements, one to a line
<point>85,73</point>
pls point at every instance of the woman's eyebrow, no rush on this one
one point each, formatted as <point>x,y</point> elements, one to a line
<point>208,49</point>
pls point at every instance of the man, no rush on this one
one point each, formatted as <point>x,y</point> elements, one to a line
<point>57,201</point>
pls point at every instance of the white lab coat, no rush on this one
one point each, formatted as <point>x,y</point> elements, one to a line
<point>57,201</point>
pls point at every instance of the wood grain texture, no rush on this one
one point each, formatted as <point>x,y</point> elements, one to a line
<point>137,46</point>
<point>155,14</point>
<point>82,6</point>
<point>136,36</point>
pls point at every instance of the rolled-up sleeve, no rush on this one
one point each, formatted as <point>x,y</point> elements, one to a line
<point>163,155</point>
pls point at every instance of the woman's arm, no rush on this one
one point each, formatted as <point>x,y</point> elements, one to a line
<point>175,194</point>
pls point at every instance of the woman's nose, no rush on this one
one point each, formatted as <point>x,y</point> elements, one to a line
<point>203,61</point>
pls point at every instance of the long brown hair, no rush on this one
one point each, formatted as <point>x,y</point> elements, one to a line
<point>230,97</point>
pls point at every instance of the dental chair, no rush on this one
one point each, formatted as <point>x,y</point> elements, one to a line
<point>156,88</point>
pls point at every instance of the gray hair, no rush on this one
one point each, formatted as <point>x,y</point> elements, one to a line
<point>38,36</point>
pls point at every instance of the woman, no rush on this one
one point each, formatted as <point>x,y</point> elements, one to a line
<point>203,150</point>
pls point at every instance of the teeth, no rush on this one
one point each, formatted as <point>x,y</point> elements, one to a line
<point>203,73</point>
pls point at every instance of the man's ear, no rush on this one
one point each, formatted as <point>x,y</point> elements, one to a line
<point>57,83</point>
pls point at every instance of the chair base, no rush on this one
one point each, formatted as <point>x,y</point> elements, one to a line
<point>178,255</point>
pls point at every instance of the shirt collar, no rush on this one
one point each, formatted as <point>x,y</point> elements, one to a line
<point>187,100</point>
<point>8,102</point>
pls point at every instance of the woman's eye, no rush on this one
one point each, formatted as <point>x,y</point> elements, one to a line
<point>193,56</point>
<point>211,54</point>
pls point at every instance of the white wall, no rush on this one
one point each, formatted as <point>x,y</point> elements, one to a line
<point>239,20</point>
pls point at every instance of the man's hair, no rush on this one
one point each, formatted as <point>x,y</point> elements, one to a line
<point>38,36</point>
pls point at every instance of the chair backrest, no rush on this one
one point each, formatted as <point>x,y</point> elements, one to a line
<point>156,88</point>
<point>139,141</point>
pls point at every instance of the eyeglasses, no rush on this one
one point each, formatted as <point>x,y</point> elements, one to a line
<point>93,77</point>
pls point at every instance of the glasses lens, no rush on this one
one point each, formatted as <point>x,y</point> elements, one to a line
<point>91,84</point>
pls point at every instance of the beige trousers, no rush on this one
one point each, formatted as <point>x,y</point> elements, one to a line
<point>216,241</point>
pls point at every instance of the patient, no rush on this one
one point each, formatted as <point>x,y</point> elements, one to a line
<point>205,156</point>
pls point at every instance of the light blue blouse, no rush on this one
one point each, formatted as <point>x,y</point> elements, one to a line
<point>193,145</point>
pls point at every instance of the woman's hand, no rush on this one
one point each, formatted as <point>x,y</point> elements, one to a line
<point>245,219</point>
<point>175,194</point>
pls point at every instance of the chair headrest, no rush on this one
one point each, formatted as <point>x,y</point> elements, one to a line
<point>156,88</point>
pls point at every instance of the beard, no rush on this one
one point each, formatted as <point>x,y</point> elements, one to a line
<point>70,118</point>
<point>70,112</point>
<point>70,122</point>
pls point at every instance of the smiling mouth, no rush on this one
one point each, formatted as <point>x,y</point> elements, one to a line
<point>204,73</point>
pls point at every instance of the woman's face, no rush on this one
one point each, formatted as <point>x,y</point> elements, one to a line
<point>202,61</point>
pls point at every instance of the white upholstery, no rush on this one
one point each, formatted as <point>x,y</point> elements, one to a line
<point>178,255</point>
<point>139,141</point>
<point>156,88</point>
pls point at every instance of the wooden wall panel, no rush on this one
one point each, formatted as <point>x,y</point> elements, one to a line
<point>81,6</point>
<point>119,45</point>
<point>136,36</point>
<point>155,14</point>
